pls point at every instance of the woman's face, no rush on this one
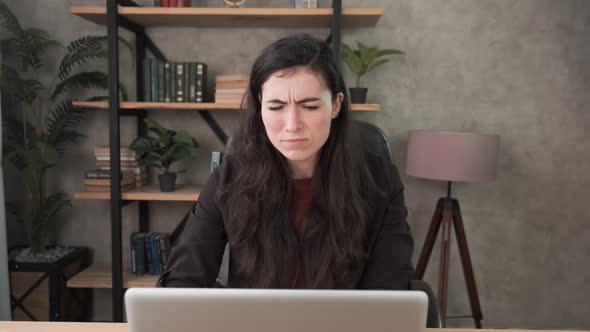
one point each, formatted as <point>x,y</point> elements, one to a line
<point>297,110</point>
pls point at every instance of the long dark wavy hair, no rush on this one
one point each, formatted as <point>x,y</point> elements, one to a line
<point>257,197</point>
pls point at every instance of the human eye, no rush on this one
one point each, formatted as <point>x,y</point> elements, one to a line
<point>310,107</point>
<point>275,108</point>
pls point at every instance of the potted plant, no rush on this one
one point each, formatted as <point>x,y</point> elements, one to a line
<point>164,149</point>
<point>38,122</point>
<point>360,62</point>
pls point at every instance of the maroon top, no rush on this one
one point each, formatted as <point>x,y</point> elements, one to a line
<point>299,211</point>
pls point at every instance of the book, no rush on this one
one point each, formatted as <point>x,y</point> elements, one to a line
<point>137,169</point>
<point>154,90</point>
<point>161,82</point>
<point>192,79</point>
<point>104,174</point>
<point>167,82</point>
<point>148,253</point>
<point>186,82</point>
<point>105,151</point>
<point>232,77</point>
<point>153,239</point>
<point>107,163</point>
<point>126,187</point>
<point>201,82</point>
<point>146,80</point>
<point>183,3</point>
<point>107,182</point>
<point>138,253</point>
<point>179,82</point>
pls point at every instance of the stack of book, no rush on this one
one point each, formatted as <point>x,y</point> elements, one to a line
<point>177,82</point>
<point>130,163</point>
<point>149,252</point>
<point>172,3</point>
<point>230,88</point>
<point>100,180</point>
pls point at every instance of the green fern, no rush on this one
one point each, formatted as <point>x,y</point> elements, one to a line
<point>61,123</point>
<point>93,79</point>
<point>8,21</point>
<point>84,50</point>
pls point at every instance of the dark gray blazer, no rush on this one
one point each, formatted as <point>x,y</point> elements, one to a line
<point>197,253</point>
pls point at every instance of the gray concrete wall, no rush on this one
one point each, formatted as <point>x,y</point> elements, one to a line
<point>517,68</point>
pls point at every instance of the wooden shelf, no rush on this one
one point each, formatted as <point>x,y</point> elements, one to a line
<point>193,106</point>
<point>101,277</point>
<point>234,17</point>
<point>151,192</point>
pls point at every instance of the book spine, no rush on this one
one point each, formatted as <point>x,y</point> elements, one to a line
<point>173,82</point>
<point>154,80</point>
<point>167,83</point>
<point>179,82</point>
<point>133,252</point>
<point>172,3</point>
<point>146,80</point>
<point>155,257</point>
<point>161,82</point>
<point>186,80</point>
<point>140,253</point>
<point>148,253</point>
<point>201,81</point>
<point>192,77</point>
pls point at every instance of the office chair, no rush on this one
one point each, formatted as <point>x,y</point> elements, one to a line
<point>434,316</point>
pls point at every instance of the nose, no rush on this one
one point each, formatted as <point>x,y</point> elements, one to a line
<point>292,119</point>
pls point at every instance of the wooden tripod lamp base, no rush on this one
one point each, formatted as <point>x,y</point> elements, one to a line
<point>448,215</point>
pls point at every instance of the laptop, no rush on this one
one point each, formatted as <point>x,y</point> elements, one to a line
<point>266,310</point>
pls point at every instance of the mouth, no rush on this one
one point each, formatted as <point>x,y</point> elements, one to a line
<point>295,142</point>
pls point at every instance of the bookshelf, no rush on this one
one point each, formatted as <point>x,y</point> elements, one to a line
<point>234,17</point>
<point>193,106</point>
<point>101,277</point>
<point>128,15</point>
<point>151,192</point>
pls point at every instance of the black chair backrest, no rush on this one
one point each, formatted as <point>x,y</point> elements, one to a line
<point>434,317</point>
<point>373,138</point>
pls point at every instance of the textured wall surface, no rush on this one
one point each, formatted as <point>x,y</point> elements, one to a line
<point>517,68</point>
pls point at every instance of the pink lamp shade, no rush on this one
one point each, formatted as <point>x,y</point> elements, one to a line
<point>452,156</point>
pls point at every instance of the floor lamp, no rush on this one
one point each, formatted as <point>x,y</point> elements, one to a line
<point>450,156</point>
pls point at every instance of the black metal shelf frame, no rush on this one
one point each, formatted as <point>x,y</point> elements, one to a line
<point>143,42</point>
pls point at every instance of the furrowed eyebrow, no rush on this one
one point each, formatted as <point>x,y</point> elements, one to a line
<point>306,100</point>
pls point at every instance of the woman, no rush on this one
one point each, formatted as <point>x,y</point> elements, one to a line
<point>299,206</point>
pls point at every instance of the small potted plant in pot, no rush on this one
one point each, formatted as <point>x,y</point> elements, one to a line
<point>167,147</point>
<point>361,61</point>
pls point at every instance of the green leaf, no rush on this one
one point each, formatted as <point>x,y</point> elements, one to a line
<point>61,123</point>
<point>155,127</point>
<point>388,52</point>
<point>14,210</point>
<point>43,155</point>
<point>376,64</point>
<point>8,20</point>
<point>88,80</point>
<point>144,145</point>
<point>184,137</point>
<point>84,50</point>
